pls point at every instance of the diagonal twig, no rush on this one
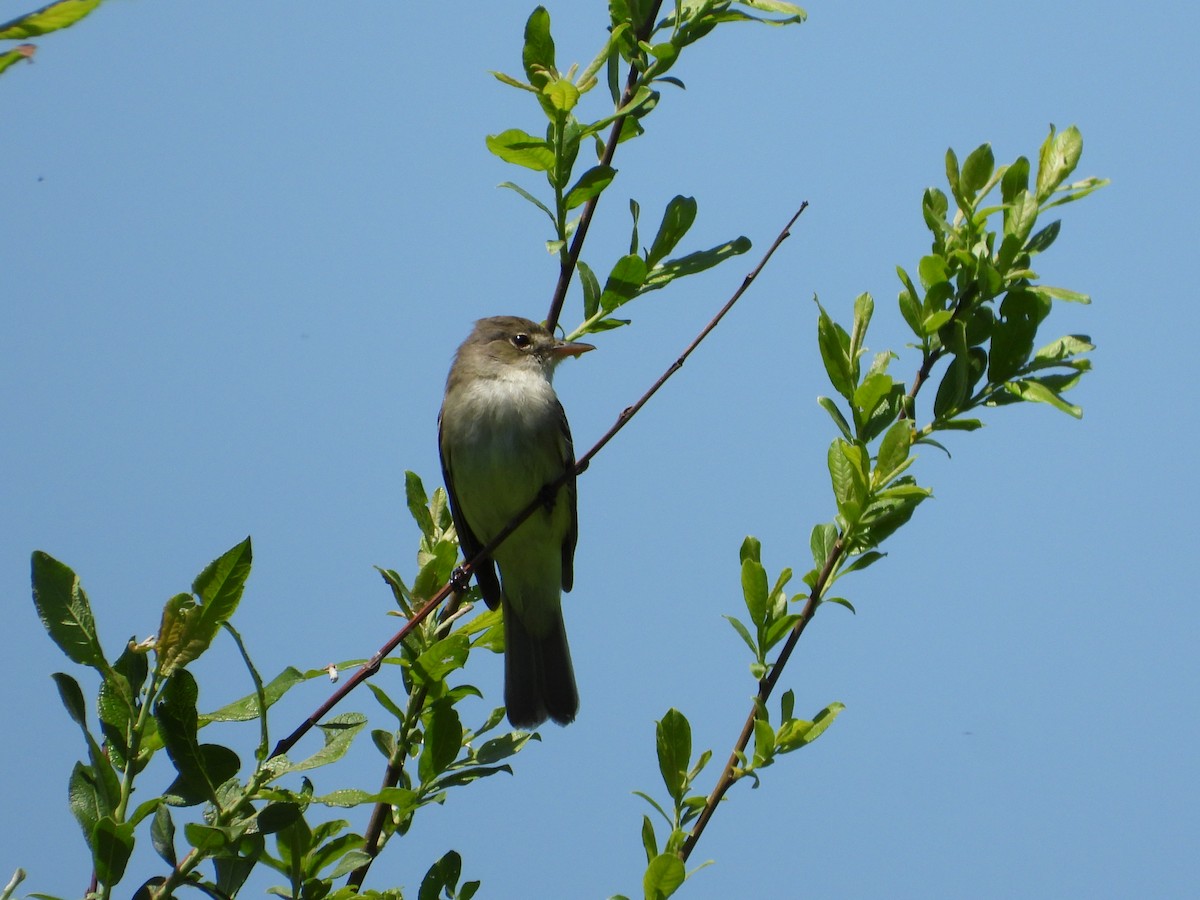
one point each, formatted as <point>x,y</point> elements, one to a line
<point>467,569</point>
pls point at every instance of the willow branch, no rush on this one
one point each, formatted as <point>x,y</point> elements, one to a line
<point>567,269</point>
<point>767,684</point>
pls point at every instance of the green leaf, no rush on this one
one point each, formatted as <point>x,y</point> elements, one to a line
<point>202,768</point>
<point>188,628</point>
<point>65,611</point>
<point>591,289</point>
<point>440,659</point>
<point>681,267</point>
<point>893,451</point>
<point>562,94</point>
<point>676,221</point>
<point>1057,159</point>
<point>836,414</point>
<point>664,875</point>
<point>822,542</point>
<point>849,481</point>
<point>49,18</point>
<point>673,739</point>
<point>528,196</point>
<point>8,59</point>
<point>1041,241</point>
<point>872,391</point>
<point>1015,180</point>
<point>112,845</point>
<point>1014,333</point>
<point>624,282</point>
<point>220,585</point>
<point>338,733</point>
<point>537,56</point>
<point>745,633</point>
<point>162,834</point>
<point>860,563</point>
<point>245,709</point>
<point>754,590</point>
<point>521,149</point>
<point>649,842</point>
<point>443,739</point>
<point>1037,391</point>
<point>834,344</point>
<point>418,501</point>
<point>1020,215</point>
<point>977,170</point>
<point>86,799</point>
<point>589,185</point>
<point>1058,293</point>
<point>797,733</point>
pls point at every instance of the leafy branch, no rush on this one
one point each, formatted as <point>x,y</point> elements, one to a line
<point>980,308</point>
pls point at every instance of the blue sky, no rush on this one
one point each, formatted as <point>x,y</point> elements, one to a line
<point>242,242</point>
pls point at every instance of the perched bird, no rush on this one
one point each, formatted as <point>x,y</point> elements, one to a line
<point>503,437</point>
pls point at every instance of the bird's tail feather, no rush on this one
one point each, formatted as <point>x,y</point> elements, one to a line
<point>539,681</point>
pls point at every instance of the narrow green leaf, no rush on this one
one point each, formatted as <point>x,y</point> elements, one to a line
<point>245,709</point>
<point>589,185</point>
<point>49,18</point>
<point>822,542</point>
<point>1060,294</point>
<point>649,842</point>
<point>676,221</point>
<point>893,451</point>
<point>694,263</point>
<point>754,590</point>
<point>443,739</point>
<point>338,733</point>
<point>836,414</point>
<point>528,196</point>
<point>977,170</point>
<point>591,289</point>
<point>10,58</point>
<point>834,345</point>
<point>1038,392</point>
<point>624,282</point>
<point>673,740</point>
<point>418,503</point>
<point>745,634</point>
<point>65,611</point>
<point>537,56</point>
<point>1015,180</point>
<point>1057,159</point>
<point>1020,215</point>
<point>162,834</point>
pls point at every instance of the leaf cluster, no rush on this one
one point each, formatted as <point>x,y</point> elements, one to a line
<point>148,702</point>
<point>558,95</point>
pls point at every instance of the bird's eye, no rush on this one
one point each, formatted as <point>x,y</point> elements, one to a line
<point>521,340</point>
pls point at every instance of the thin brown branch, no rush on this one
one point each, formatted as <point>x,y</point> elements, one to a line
<point>567,269</point>
<point>462,576</point>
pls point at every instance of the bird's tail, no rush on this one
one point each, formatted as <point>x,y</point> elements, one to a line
<point>539,681</point>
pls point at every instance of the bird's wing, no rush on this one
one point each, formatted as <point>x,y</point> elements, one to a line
<point>485,571</point>
<point>572,535</point>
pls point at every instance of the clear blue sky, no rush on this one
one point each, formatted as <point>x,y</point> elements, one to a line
<point>241,242</point>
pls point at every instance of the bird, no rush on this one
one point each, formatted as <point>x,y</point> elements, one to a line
<point>503,438</point>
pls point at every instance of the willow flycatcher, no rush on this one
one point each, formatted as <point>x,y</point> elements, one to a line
<point>503,437</point>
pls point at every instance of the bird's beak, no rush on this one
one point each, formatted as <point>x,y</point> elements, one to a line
<point>569,348</point>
